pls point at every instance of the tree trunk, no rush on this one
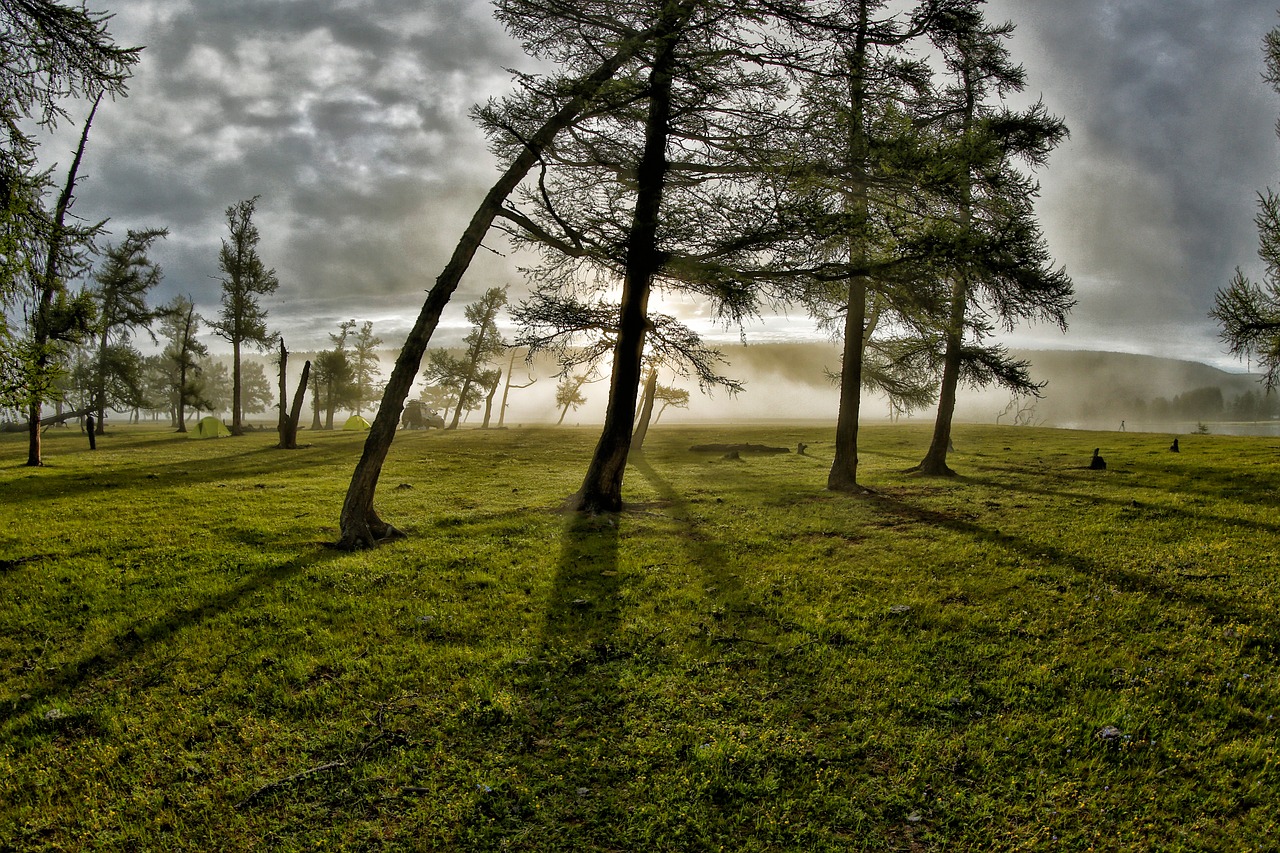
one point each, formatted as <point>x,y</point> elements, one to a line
<point>282,424</point>
<point>601,489</point>
<point>237,428</point>
<point>934,463</point>
<point>289,438</point>
<point>488,400</point>
<point>360,524</point>
<point>646,409</point>
<point>100,395</point>
<point>843,476</point>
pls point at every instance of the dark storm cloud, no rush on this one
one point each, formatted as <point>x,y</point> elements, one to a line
<point>1150,203</point>
<point>348,118</point>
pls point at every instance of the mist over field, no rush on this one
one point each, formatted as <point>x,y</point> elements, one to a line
<point>790,382</point>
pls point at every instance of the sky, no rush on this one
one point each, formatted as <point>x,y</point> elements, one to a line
<point>349,118</point>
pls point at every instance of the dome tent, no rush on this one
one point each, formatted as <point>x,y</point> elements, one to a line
<point>355,422</point>
<point>209,427</point>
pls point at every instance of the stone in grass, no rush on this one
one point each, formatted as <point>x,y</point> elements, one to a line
<point>900,608</point>
<point>1110,735</point>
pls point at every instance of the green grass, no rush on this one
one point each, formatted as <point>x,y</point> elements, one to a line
<point>741,661</point>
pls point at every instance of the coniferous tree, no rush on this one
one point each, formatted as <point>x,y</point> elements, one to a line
<point>854,176</point>
<point>990,244</point>
<point>57,317</point>
<point>365,365</point>
<point>242,319</point>
<point>660,190</point>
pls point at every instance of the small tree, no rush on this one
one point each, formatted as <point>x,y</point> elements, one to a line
<point>183,352</point>
<point>246,278</point>
<point>507,386</point>
<point>569,394</point>
<point>365,365</point>
<point>483,343</point>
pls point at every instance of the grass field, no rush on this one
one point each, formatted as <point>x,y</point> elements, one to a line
<point>1032,656</point>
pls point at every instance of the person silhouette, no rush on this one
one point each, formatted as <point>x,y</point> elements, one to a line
<point>88,427</point>
<point>1097,463</point>
<point>1173,448</point>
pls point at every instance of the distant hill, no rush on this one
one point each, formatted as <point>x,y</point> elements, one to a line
<point>1090,386</point>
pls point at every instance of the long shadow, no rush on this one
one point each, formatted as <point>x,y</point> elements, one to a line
<point>247,463</point>
<point>571,723</point>
<point>1184,512</point>
<point>1219,608</point>
<point>725,587</point>
<point>129,644</point>
<point>583,610</point>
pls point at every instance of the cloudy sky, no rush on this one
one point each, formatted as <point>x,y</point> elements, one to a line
<point>349,118</point>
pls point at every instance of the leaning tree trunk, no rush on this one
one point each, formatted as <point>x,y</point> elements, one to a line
<point>601,489</point>
<point>488,400</point>
<point>934,463</point>
<point>360,524</point>
<point>646,409</point>
<point>48,284</point>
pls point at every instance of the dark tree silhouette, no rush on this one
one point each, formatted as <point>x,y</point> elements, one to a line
<point>569,98</point>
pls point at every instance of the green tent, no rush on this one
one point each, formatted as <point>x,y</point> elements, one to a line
<point>209,427</point>
<point>356,422</point>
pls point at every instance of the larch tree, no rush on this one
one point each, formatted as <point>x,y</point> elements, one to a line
<point>245,279</point>
<point>121,285</point>
<point>660,192</point>
<point>508,385</point>
<point>1248,311</point>
<point>853,175</point>
<point>566,97</point>
<point>989,242</point>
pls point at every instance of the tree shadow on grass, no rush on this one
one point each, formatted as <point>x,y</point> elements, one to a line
<point>242,464</point>
<point>131,644</point>
<point>1217,608</point>
<point>555,750</point>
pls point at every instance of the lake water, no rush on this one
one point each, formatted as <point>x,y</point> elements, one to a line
<point>1262,428</point>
